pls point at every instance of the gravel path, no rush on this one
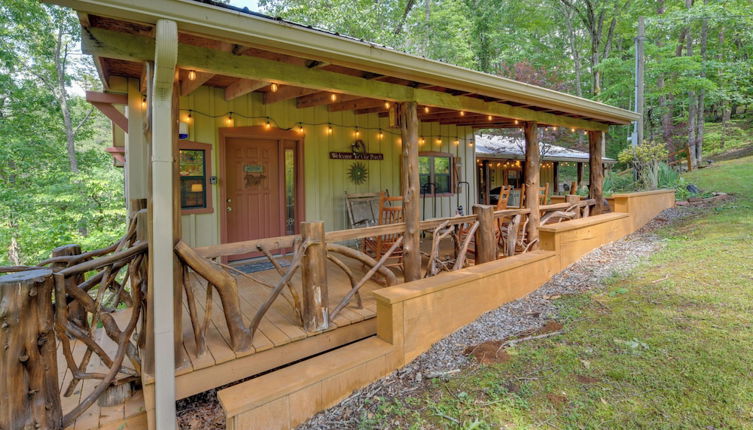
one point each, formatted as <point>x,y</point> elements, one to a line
<point>529,313</point>
<point>446,356</point>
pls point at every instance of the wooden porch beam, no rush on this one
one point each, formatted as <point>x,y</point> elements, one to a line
<point>379,109</point>
<point>285,92</point>
<point>123,46</point>
<point>188,85</point>
<point>322,98</point>
<point>361,103</point>
<point>242,87</point>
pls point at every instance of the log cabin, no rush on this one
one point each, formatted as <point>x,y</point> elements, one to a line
<point>243,137</point>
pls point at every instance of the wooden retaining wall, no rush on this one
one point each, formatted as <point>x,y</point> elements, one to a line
<point>411,317</point>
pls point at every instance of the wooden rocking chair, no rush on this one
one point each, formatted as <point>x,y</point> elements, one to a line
<point>390,212</point>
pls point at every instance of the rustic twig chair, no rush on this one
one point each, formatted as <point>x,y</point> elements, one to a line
<point>390,212</point>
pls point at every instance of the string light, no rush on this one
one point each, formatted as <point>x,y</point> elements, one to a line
<point>421,141</point>
<point>274,88</point>
<point>516,122</point>
<point>456,141</point>
<point>300,128</point>
<point>439,140</point>
<point>267,124</point>
<point>380,135</point>
<point>333,97</point>
<point>426,109</point>
<point>489,117</point>
<point>573,130</point>
<point>329,128</point>
<point>357,132</point>
<point>191,75</point>
<point>462,113</point>
<point>143,102</point>
<point>386,105</point>
<point>229,118</point>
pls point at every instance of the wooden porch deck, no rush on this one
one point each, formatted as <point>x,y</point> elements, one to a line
<point>280,340</point>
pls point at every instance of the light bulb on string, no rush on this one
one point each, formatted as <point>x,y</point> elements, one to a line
<point>462,113</point>
<point>300,127</point>
<point>274,88</point>
<point>329,128</point>
<point>380,135</point>
<point>333,97</point>
<point>229,119</point>
<point>267,124</point>
<point>143,102</point>
<point>426,109</point>
<point>357,132</point>
<point>386,105</point>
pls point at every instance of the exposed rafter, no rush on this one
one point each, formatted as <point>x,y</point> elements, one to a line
<point>322,98</point>
<point>191,80</point>
<point>286,92</point>
<point>360,103</point>
<point>242,87</point>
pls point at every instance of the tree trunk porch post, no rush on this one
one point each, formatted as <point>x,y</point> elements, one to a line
<point>408,121</point>
<point>314,277</point>
<point>486,243</point>
<point>596,169</point>
<point>532,170</point>
<point>29,391</point>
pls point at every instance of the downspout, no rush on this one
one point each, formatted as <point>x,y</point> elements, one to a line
<point>165,58</point>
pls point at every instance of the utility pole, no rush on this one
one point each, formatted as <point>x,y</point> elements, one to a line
<point>637,137</point>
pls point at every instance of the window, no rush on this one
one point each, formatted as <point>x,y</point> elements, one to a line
<point>195,170</point>
<point>436,172</point>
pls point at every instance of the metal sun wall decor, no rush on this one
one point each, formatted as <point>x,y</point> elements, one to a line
<point>358,173</point>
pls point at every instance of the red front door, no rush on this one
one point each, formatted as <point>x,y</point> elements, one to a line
<point>253,189</point>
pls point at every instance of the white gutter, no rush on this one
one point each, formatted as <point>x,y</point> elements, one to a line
<point>165,58</point>
<point>244,28</point>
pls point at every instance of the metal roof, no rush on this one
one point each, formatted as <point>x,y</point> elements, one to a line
<point>509,147</point>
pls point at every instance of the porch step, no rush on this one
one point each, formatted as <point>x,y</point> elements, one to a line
<point>285,398</point>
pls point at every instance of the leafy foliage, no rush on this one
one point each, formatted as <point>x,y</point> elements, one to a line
<point>645,159</point>
<point>44,203</point>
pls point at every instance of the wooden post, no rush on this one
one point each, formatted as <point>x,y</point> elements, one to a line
<point>314,278</point>
<point>487,182</point>
<point>580,177</point>
<point>410,190</point>
<point>29,391</point>
<point>76,312</point>
<point>532,171</point>
<point>556,176</point>
<point>486,245</point>
<point>596,169</point>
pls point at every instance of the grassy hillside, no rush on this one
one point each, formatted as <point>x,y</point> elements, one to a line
<point>669,345</point>
<point>718,140</point>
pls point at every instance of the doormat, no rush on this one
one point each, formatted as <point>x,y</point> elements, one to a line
<point>260,266</point>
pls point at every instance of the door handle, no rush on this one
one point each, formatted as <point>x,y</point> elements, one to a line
<point>228,209</point>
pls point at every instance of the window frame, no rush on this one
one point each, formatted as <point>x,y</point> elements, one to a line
<point>207,148</point>
<point>453,170</point>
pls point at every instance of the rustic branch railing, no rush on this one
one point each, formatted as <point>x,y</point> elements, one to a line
<point>77,294</point>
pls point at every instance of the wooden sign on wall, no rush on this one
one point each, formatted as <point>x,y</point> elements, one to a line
<point>356,156</point>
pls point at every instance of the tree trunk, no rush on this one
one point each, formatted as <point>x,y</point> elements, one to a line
<point>314,278</point>
<point>29,392</point>
<point>700,122</point>
<point>596,169</point>
<point>531,175</point>
<point>692,101</point>
<point>410,191</point>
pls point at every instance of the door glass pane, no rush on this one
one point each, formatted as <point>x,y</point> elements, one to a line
<point>290,180</point>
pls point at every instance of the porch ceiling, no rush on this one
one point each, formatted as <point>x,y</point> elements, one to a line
<point>120,34</point>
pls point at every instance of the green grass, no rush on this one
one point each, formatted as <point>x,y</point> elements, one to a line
<point>668,346</point>
<point>716,140</point>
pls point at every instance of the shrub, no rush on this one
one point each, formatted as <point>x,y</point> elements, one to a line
<point>645,158</point>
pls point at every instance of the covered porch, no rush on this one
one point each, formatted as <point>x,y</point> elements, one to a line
<point>242,137</point>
